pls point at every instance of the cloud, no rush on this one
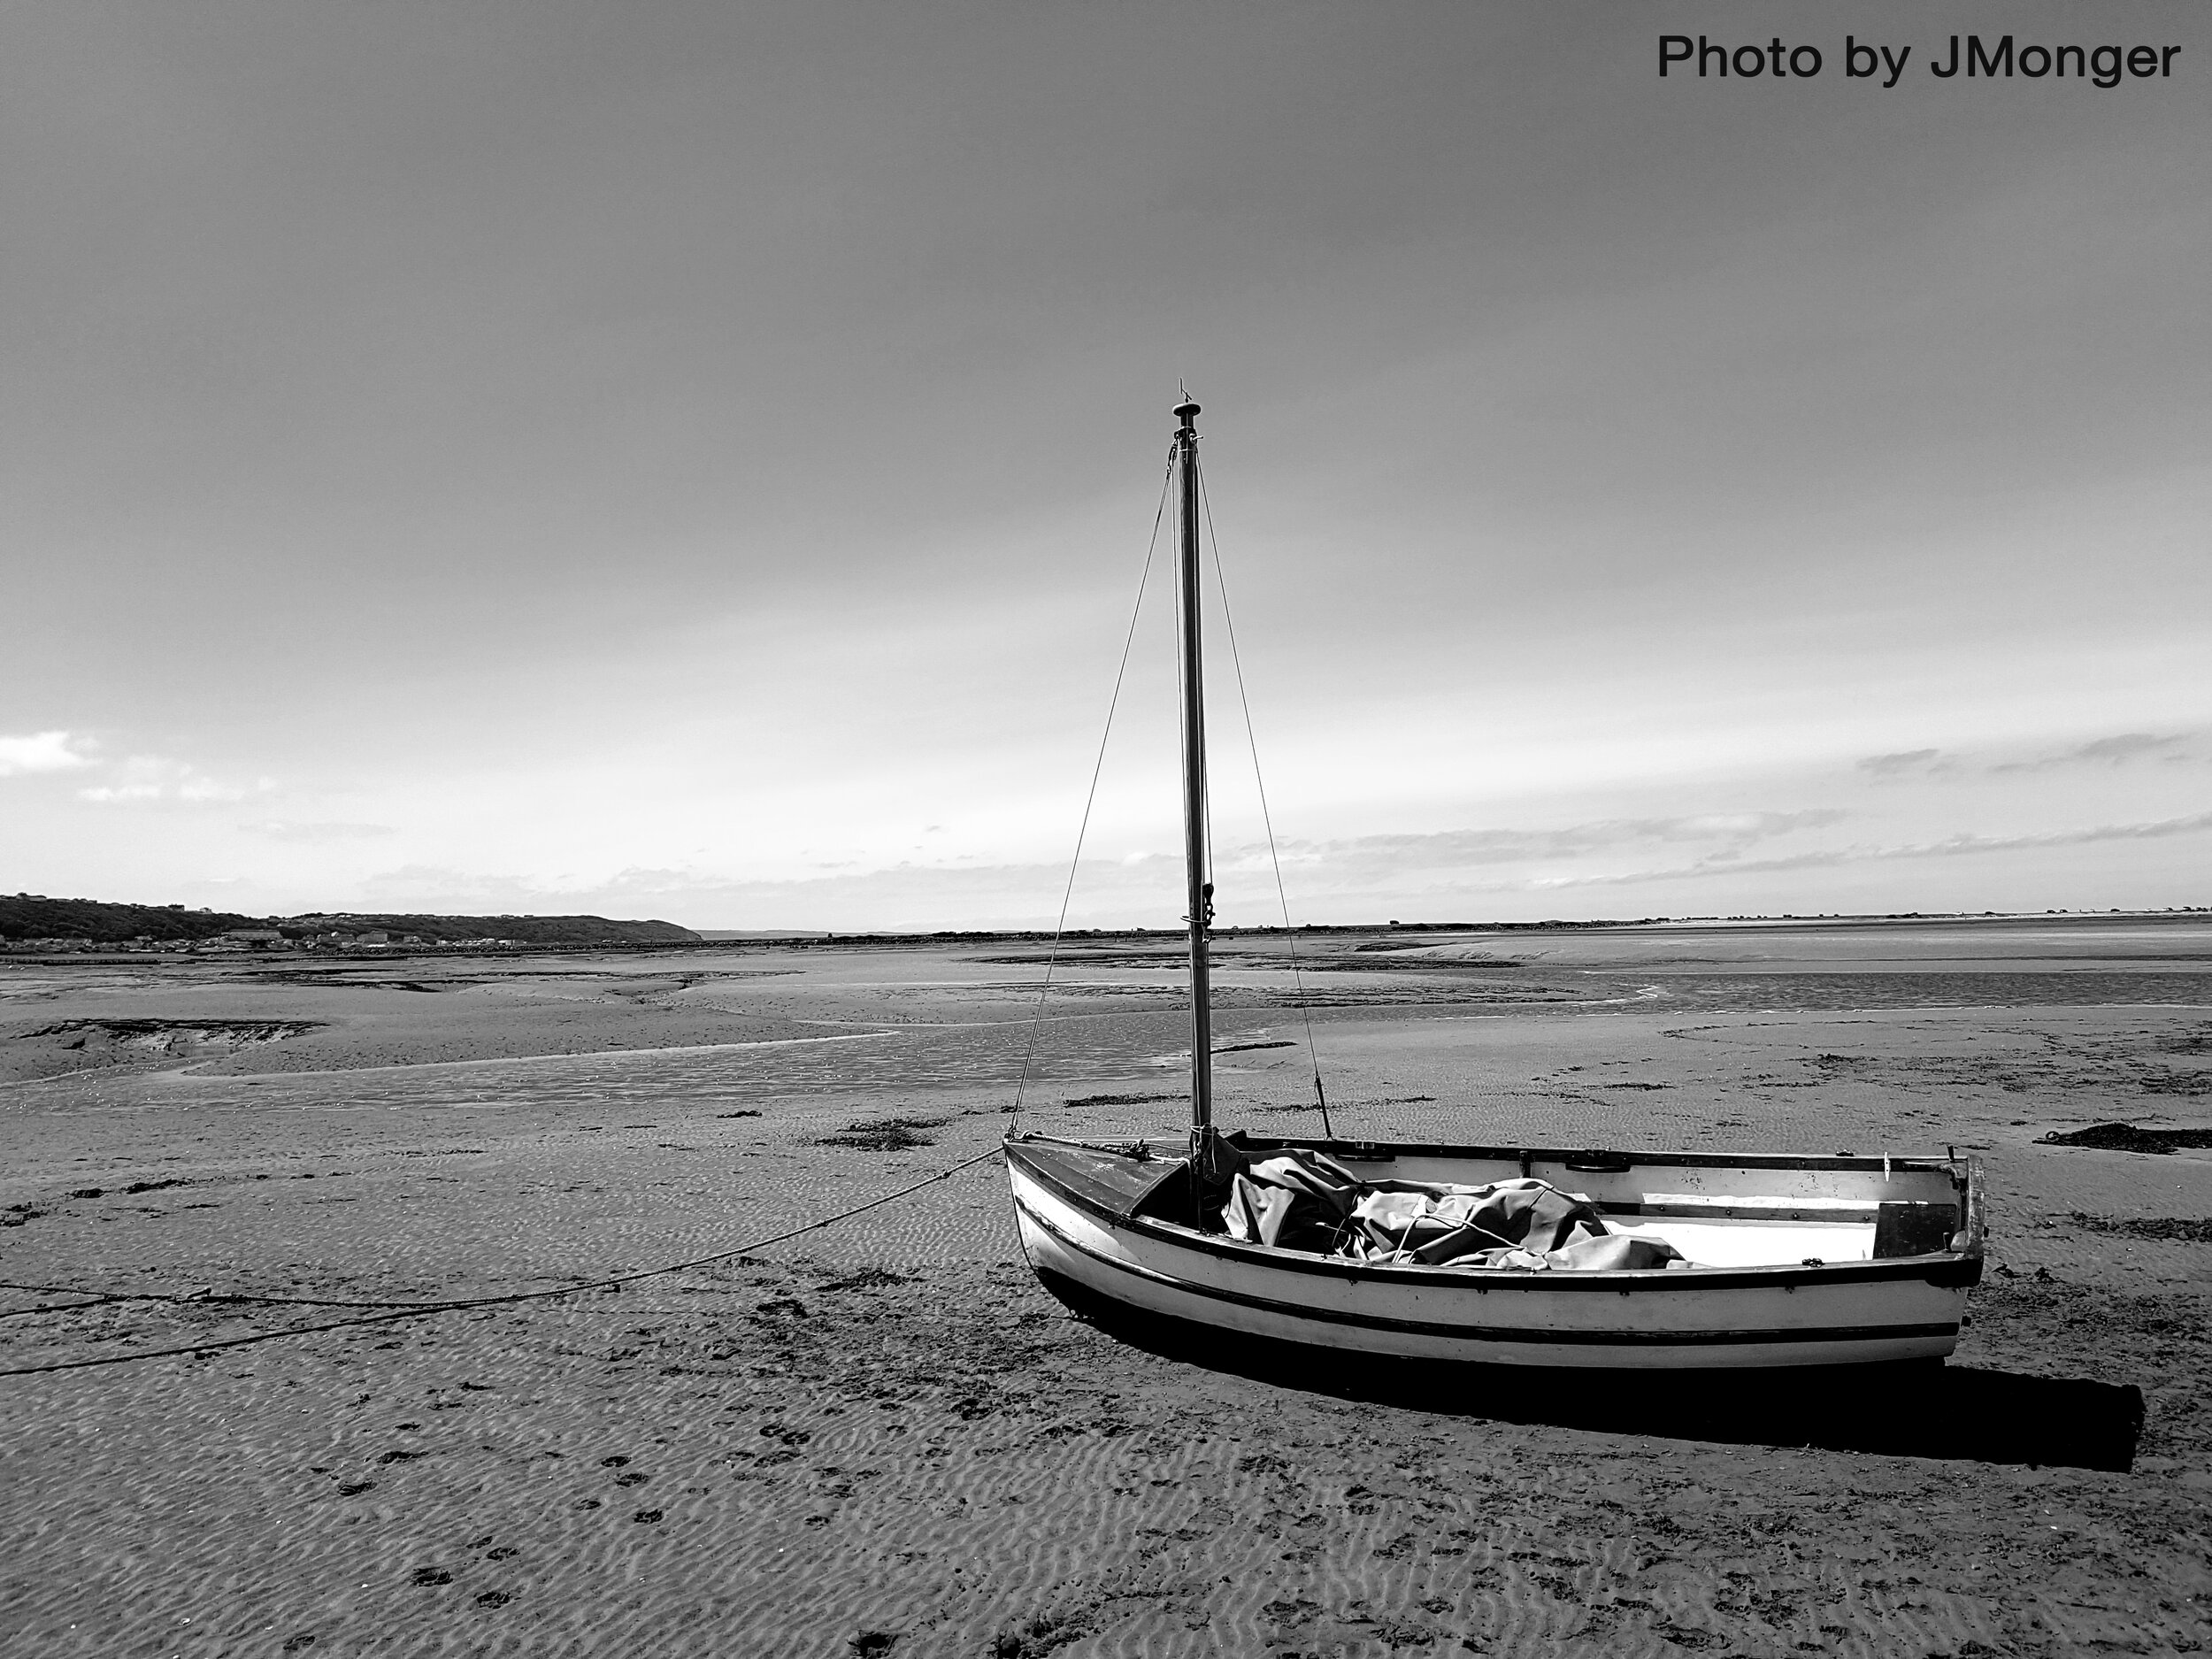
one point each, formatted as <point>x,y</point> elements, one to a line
<point>320,833</point>
<point>438,888</point>
<point>41,751</point>
<point>2109,751</point>
<point>138,778</point>
<point>1381,855</point>
<point>144,778</point>
<point>1951,847</point>
<point>1908,761</point>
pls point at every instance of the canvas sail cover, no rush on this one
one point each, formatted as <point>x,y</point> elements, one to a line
<point>1300,1199</point>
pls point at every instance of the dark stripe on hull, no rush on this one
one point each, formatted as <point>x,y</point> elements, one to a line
<point>1497,1333</point>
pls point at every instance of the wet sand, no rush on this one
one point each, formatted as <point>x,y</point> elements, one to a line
<point>885,1437</point>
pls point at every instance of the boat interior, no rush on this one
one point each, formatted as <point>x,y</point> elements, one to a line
<point>1724,1212</point>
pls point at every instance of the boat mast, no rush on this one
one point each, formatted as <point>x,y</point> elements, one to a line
<point>1200,889</point>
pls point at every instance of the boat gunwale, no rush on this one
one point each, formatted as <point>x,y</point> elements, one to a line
<point>1944,1269</point>
<point>1349,1150</point>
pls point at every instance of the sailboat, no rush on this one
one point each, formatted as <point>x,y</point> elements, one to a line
<point>1551,1257</point>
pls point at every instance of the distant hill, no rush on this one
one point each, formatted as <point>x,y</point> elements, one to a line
<point>27,916</point>
<point>524,930</point>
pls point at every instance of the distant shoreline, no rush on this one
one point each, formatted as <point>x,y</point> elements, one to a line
<point>296,938</point>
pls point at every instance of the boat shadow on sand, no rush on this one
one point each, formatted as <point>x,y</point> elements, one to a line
<point>1926,1408</point>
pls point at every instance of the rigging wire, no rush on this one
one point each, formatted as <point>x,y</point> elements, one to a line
<point>1298,980</point>
<point>1098,766</point>
<point>416,1311</point>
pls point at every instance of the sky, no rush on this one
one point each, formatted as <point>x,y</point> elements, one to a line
<point>697,461</point>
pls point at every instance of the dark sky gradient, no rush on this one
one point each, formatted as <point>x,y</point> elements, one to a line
<point>697,458</point>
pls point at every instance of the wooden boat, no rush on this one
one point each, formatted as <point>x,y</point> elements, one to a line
<point>1772,1260</point>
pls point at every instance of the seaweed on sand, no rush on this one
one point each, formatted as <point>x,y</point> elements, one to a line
<point>2127,1138</point>
<point>886,1134</point>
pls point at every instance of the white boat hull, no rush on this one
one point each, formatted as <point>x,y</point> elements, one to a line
<point>1847,1313</point>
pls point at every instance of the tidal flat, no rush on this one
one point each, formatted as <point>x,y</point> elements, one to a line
<point>884,1437</point>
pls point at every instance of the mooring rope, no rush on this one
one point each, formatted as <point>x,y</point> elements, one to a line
<point>416,1311</point>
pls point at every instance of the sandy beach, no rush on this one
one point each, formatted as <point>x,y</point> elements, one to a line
<point>884,1437</point>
